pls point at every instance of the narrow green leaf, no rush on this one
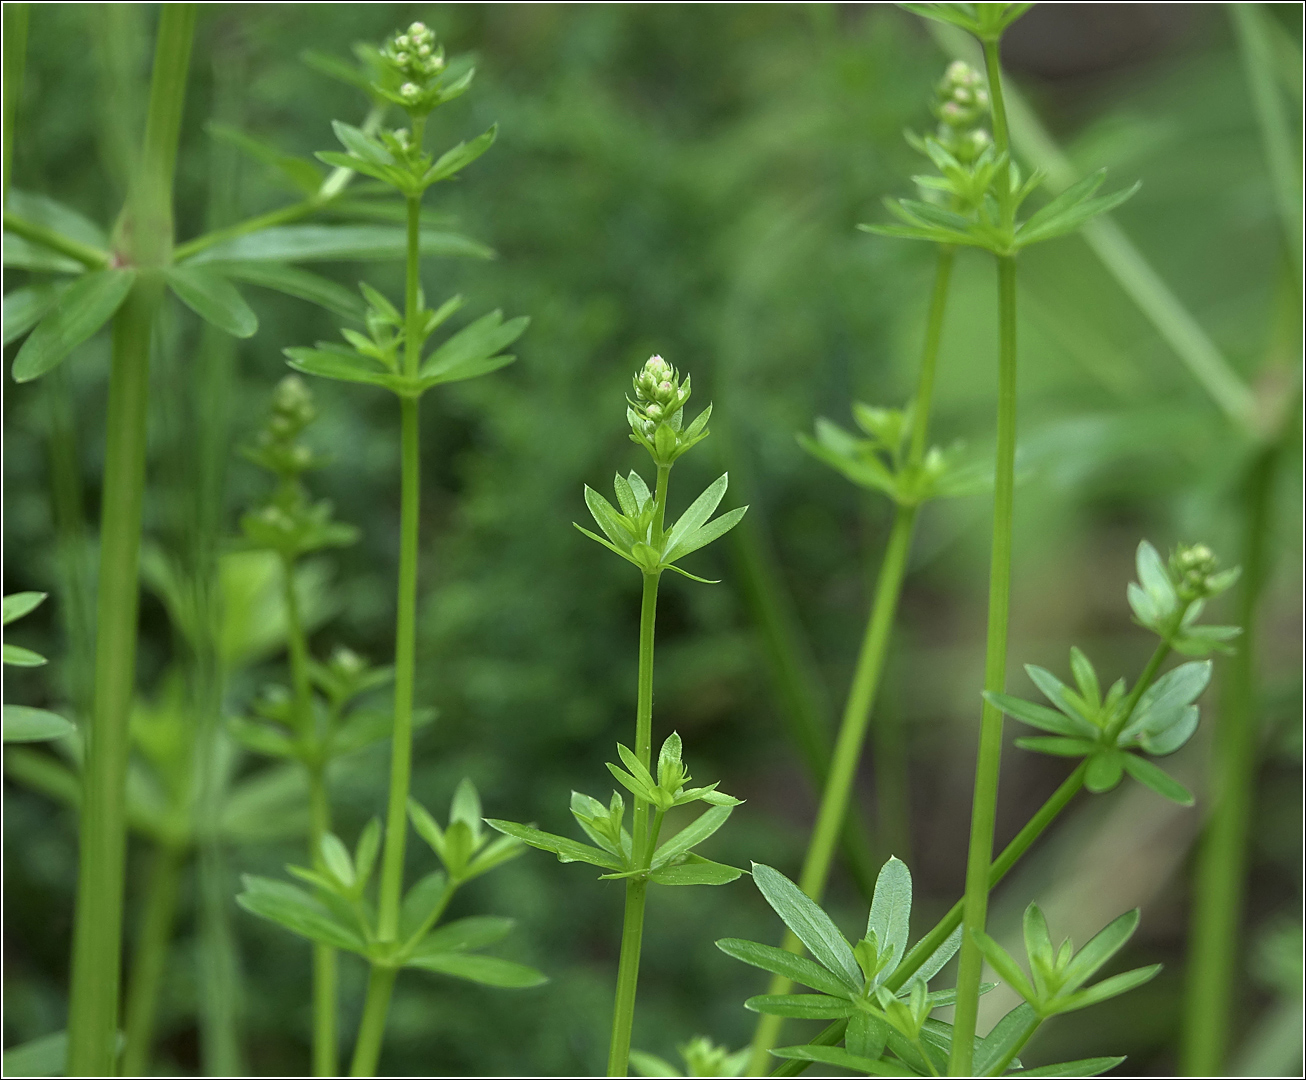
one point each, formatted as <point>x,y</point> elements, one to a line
<point>463,935</point>
<point>18,251</point>
<point>607,544</point>
<point>866,1035</point>
<point>1157,779</point>
<point>812,926</point>
<point>293,908</point>
<point>841,1058</point>
<point>699,511</point>
<point>293,281</point>
<point>16,605</point>
<point>83,308</point>
<point>1060,695</point>
<point>363,145</point>
<point>302,174</point>
<point>267,807</point>
<point>46,1056</point>
<point>1012,1030</point>
<point>1055,744</point>
<point>1108,988</point>
<point>25,724</point>
<point>462,155</point>
<point>420,901</point>
<point>1002,962</point>
<point>1168,739</point>
<point>24,308</point>
<point>566,850</point>
<point>691,835</point>
<point>340,365</point>
<point>695,870</point>
<point>783,962</point>
<point>1084,1067</point>
<point>43,210</point>
<point>20,657</point>
<point>713,530</point>
<point>1085,677</point>
<point>213,298</point>
<point>488,970</point>
<point>473,345</point>
<point>891,912</point>
<point>945,952</point>
<point>1100,948</point>
<point>1040,716</point>
<point>318,243</point>
<point>802,1006</point>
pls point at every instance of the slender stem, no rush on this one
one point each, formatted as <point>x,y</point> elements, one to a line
<point>371,1030</point>
<point>984,810</point>
<point>632,928</point>
<point>1144,681</point>
<point>15,63</point>
<point>91,257</point>
<point>150,957</point>
<point>1251,23</point>
<point>870,664</point>
<point>1220,883</point>
<point>97,941</point>
<point>382,979</point>
<point>1031,1026</point>
<point>324,957</point>
<point>623,1009</point>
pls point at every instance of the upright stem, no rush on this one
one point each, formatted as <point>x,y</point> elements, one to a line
<point>1209,1008</point>
<point>632,928</point>
<point>382,979</point>
<point>15,63</point>
<point>870,663</point>
<point>150,957</point>
<point>984,810</point>
<point>324,956</point>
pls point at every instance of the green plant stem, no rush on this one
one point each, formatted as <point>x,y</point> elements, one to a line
<point>150,957</point>
<point>929,944</point>
<point>984,809</point>
<point>380,985</point>
<point>1220,880</point>
<point>1251,23</point>
<point>1031,1026</point>
<point>15,64</point>
<point>97,941</point>
<point>371,1030</point>
<point>324,957</point>
<point>632,927</point>
<point>90,257</point>
<point>870,664</point>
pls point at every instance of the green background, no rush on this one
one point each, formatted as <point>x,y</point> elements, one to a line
<point>686,180</point>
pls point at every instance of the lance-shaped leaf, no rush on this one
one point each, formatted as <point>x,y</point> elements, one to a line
<point>330,361</point>
<point>46,1056</point>
<point>699,511</point>
<point>812,926</point>
<point>1084,1067</point>
<point>323,243</point>
<point>463,935</point>
<point>58,217</point>
<point>566,850</point>
<point>1157,779</point>
<point>16,605</point>
<point>291,907</point>
<point>474,350</point>
<point>1056,745</point>
<point>1040,716</point>
<point>891,911</point>
<point>487,970</point>
<point>1065,699</point>
<point>691,835</point>
<point>695,870</point>
<point>802,1006</point>
<point>421,902</point>
<point>1069,216</point>
<point>83,308</point>
<point>705,535</point>
<point>213,298</point>
<point>296,282</point>
<point>783,962</point>
<point>18,251</point>
<point>1104,771</point>
<point>842,1059</point>
<point>1012,1031</point>
<point>1166,702</point>
<point>23,723</point>
<point>462,155</point>
<point>24,308</point>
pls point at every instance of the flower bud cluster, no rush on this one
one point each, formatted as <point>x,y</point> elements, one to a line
<point>656,412</point>
<point>416,59</point>
<point>1194,569</point>
<point>277,447</point>
<point>961,104</point>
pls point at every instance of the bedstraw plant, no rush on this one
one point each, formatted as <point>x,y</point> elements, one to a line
<point>638,533</point>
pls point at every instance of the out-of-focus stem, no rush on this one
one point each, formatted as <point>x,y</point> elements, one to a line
<point>150,957</point>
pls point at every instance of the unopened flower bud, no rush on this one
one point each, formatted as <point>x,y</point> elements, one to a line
<point>410,91</point>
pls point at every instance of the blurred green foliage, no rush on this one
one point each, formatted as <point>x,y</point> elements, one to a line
<point>685,180</point>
